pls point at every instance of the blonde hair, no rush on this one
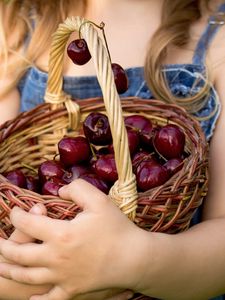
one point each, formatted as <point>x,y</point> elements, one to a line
<point>27,45</point>
<point>177,17</point>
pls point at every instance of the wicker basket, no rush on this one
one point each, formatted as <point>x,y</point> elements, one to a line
<point>33,136</point>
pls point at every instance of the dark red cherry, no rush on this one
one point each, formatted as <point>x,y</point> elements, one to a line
<point>173,165</point>
<point>74,150</point>
<point>17,178</point>
<point>105,168</point>
<point>33,183</point>
<point>95,180</point>
<point>96,129</point>
<point>120,78</point>
<point>140,158</point>
<point>75,172</point>
<point>110,149</point>
<point>151,161</point>
<point>78,52</point>
<point>169,141</point>
<point>142,125</point>
<point>52,186</point>
<point>138,123</point>
<point>103,151</point>
<point>133,141</point>
<point>49,169</point>
<point>151,175</point>
<point>146,138</point>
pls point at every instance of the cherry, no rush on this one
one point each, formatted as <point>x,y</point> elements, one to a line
<point>105,168</point>
<point>75,172</point>
<point>151,175</point>
<point>17,178</point>
<point>110,149</point>
<point>138,123</point>
<point>140,158</point>
<point>146,138</point>
<point>78,52</point>
<point>133,141</point>
<point>96,129</point>
<point>49,169</point>
<point>52,186</point>
<point>142,125</point>
<point>74,150</point>
<point>33,183</point>
<point>173,165</point>
<point>104,150</point>
<point>95,180</point>
<point>120,78</point>
<point>169,141</point>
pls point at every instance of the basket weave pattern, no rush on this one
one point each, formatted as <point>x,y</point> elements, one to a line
<point>167,208</point>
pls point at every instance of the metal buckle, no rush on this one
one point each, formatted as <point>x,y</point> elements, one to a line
<point>218,19</point>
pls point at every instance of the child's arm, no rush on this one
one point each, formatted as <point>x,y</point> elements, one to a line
<point>9,97</point>
<point>10,38</point>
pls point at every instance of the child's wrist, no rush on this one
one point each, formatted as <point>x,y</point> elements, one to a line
<point>136,255</point>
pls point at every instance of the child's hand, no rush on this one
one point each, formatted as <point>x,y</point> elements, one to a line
<point>95,251</point>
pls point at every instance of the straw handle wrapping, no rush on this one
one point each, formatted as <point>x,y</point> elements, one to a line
<point>124,192</point>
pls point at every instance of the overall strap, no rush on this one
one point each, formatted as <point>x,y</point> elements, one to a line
<point>214,23</point>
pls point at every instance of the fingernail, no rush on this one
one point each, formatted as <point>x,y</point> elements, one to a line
<point>38,209</point>
<point>16,209</point>
<point>62,189</point>
<point>129,295</point>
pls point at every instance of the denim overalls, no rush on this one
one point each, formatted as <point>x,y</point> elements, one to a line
<point>181,78</point>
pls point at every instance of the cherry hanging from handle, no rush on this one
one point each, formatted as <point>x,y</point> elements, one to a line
<point>79,53</point>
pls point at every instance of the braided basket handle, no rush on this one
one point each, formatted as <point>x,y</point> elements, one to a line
<point>124,192</point>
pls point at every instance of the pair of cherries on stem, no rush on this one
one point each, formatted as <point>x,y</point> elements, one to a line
<point>79,53</point>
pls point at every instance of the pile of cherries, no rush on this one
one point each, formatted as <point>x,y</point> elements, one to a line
<point>157,153</point>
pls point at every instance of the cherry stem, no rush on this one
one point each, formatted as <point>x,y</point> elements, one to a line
<point>55,156</point>
<point>92,151</point>
<point>29,167</point>
<point>106,44</point>
<point>100,26</point>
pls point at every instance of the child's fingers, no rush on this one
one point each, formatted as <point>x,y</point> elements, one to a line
<point>20,237</point>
